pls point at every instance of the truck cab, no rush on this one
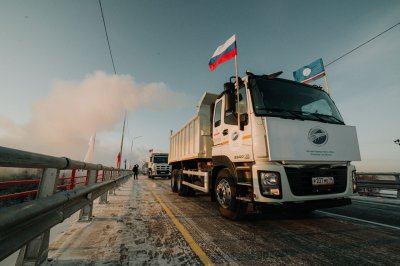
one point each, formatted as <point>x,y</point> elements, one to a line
<point>158,166</point>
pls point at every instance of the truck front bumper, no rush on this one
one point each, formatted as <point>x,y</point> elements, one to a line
<point>296,187</point>
<point>161,174</point>
<point>300,207</point>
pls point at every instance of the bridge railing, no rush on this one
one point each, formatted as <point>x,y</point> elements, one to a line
<point>26,226</point>
<point>379,184</point>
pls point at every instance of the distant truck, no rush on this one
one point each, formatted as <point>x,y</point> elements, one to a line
<point>276,142</point>
<point>158,165</point>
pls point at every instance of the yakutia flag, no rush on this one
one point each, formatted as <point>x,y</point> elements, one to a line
<point>223,53</point>
<point>313,71</point>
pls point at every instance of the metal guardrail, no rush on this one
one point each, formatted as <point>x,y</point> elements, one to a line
<point>370,183</point>
<point>26,226</point>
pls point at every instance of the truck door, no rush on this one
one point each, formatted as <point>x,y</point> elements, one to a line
<point>217,136</point>
<point>236,143</point>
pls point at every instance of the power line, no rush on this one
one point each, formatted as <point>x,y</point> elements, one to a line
<point>108,41</point>
<point>397,141</point>
<point>363,44</point>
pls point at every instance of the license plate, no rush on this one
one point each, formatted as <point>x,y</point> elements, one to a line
<point>323,181</point>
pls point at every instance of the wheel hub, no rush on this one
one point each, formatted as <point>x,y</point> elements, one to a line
<point>224,193</point>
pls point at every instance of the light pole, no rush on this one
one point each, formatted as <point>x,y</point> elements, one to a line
<point>132,145</point>
<point>133,139</point>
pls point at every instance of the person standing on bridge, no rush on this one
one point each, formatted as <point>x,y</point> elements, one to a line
<point>135,171</point>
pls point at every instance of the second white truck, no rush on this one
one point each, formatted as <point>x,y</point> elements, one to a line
<point>278,142</point>
<point>158,165</point>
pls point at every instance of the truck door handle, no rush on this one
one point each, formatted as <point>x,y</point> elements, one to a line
<point>225,132</point>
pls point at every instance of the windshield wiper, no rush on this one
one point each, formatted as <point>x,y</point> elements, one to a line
<point>303,115</point>
<point>321,117</point>
<point>313,115</point>
<point>329,117</point>
<point>292,113</point>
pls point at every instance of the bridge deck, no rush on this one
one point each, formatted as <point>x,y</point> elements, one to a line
<point>135,229</point>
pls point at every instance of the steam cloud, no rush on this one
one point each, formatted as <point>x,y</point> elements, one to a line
<point>62,123</point>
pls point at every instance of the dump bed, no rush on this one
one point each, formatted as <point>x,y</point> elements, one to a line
<point>194,140</point>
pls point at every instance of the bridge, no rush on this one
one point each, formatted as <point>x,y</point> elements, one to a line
<point>89,214</point>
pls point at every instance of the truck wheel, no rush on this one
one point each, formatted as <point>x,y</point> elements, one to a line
<point>225,193</point>
<point>181,188</point>
<point>173,181</point>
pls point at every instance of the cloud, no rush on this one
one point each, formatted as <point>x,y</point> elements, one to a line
<point>63,121</point>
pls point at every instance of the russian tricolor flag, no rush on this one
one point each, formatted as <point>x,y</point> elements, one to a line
<point>223,53</point>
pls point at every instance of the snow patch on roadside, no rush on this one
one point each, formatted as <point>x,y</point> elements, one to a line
<point>132,229</point>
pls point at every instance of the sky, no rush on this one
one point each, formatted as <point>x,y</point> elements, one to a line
<point>58,86</point>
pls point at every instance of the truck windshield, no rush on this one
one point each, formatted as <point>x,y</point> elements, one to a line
<point>161,159</point>
<point>292,100</point>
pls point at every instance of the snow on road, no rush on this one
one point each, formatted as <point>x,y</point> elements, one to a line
<point>132,229</point>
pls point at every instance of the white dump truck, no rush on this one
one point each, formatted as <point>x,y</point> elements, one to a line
<point>158,165</point>
<point>276,142</point>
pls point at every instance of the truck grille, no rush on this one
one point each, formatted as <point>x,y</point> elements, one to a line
<point>162,169</point>
<point>300,180</point>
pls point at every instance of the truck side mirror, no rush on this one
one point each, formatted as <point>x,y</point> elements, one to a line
<point>244,120</point>
<point>230,102</point>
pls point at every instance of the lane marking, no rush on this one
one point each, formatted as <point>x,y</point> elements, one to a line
<point>358,220</point>
<point>195,247</point>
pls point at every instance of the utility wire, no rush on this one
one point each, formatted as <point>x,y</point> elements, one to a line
<point>397,24</point>
<point>108,41</point>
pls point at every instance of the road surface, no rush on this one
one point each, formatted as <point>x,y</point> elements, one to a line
<point>146,224</point>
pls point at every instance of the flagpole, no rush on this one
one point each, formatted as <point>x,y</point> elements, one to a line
<point>326,84</point>
<point>237,89</point>
<point>122,140</point>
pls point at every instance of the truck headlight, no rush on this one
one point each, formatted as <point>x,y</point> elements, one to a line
<point>270,184</point>
<point>354,180</point>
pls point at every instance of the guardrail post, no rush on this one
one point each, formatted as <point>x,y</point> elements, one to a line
<point>112,176</point>
<point>86,211</point>
<point>103,175</point>
<point>72,180</point>
<point>87,177</point>
<point>103,198</point>
<point>36,251</point>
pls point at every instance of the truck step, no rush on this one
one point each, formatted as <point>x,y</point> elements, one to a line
<point>243,168</point>
<point>243,184</point>
<point>244,199</point>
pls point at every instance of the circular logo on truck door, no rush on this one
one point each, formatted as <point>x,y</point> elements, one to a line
<point>318,136</point>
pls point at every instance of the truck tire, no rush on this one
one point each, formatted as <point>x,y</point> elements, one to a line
<point>225,193</point>
<point>174,181</point>
<point>181,188</point>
